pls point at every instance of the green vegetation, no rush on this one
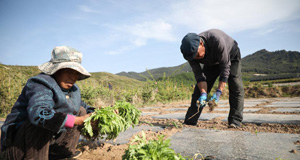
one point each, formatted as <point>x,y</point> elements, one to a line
<point>164,84</point>
<point>186,78</point>
<point>127,111</point>
<point>12,81</point>
<point>141,148</point>
<point>105,121</point>
<point>287,80</point>
<point>95,91</point>
<point>158,72</point>
<point>278,62</point>
<point>261,90</point>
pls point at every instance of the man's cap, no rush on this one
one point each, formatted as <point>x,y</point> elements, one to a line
<point>189,46</point>
<point>65,57</point>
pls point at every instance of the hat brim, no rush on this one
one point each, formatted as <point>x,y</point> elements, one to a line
<point>190,57</point>
<point>50,68</point>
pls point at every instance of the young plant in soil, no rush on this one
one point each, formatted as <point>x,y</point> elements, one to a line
<point>110,121</point>
<point>141,148</point>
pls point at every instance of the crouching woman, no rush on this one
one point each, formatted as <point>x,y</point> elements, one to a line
<point>44,121</point>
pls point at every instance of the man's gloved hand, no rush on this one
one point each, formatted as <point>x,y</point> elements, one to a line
<point>216,96</point>
<point>202,99</point>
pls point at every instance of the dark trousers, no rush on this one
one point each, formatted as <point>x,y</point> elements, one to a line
<point>236,92</point>
<point>33,142</point>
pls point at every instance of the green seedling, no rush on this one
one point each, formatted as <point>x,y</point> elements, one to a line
<point>141,148</point>
<point>150,124</point>
<point>256,131</point>
<point>106,121</point>
<point>175,125</point>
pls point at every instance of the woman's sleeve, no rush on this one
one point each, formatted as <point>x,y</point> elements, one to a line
<point>40,107</point>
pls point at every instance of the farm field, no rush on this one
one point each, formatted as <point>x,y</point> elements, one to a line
<point>271,126</point>
<point>271,130</point>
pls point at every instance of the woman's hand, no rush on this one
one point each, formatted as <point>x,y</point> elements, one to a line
<point>80,120</point>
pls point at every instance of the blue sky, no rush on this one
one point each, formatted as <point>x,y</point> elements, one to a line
<point>135,35</point>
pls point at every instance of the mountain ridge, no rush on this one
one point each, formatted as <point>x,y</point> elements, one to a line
<point>260,62</point>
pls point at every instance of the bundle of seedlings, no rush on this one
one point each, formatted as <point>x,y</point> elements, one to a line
<point>110,121</point>
<point>141,148</point>
<point>212,105</point>
<point>128,112</point>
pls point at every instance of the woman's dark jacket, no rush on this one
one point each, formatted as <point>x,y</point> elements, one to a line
<point>45,104</point>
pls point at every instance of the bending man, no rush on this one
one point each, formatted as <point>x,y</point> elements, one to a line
<point>220,56</point>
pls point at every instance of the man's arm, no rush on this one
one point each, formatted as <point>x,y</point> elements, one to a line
<point>197,70</point>
<point>202,86</point>
<point>221,85</point>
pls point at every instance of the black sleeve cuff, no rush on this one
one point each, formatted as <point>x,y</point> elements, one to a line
<point>53,124</point>
<point>90,110</point>
<point>223,79</point>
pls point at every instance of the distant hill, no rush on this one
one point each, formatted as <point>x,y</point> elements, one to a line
<point>20,74</point>
<point>278,62</point>
<point>104,78</point>
<point>158,72</point>
<point>261,62</point>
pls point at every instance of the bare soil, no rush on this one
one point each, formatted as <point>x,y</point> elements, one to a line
<point>94,151</point>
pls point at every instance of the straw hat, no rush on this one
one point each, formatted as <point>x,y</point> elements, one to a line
<point>65,57</point>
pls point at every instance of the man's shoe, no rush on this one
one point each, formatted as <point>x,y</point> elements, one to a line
<point>209,158</point>
<point>232,125</point>
<point>189,123</point>
<point>76,154</point>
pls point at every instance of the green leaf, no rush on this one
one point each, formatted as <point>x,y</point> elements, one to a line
<point>159,149</point>
<point>109,123</point>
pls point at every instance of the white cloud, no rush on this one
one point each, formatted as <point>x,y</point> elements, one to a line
<point>158,30</point>
<point>140,33</point>
<point>87,9</point>
<point>120,50</point>
<point>233,15</point>
<point>136,27</point>
<point>264,32</point>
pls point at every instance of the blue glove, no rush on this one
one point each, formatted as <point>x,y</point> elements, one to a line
<point>216,96</point>
<point>202,99</point>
